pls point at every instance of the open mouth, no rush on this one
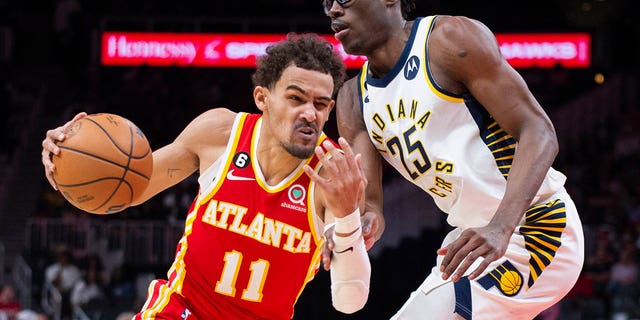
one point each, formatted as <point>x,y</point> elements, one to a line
<point>339,28</point>
<point>308,132</point>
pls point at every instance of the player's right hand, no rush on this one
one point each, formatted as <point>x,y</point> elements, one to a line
<point>50,147</point>
<point>370,225</point>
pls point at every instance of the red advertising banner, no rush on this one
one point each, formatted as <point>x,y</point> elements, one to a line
<point>240,50</point>
<point>545,50</point>
<point>195,49</point>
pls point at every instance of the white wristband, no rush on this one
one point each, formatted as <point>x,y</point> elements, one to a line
<point>349,223</point>
<point>344,243</point>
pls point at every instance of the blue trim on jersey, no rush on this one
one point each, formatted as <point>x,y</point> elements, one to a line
<point>462,290</point>
<point>499,142</point>
<point>427,65</point>
<point>384,81</point>
<point>360,97</point>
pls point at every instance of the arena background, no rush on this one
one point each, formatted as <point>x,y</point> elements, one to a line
<point>50,69</point>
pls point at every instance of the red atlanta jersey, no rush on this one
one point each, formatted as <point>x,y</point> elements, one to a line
<point>248,248</point>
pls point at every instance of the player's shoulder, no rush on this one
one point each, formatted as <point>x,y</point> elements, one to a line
<point>211,127</point>
<point>216,119</point>
<point>220,115</point>
<point>457,28</point>
<point>349,91</point>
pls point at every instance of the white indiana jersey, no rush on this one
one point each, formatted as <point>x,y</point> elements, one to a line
<point>446,144</point>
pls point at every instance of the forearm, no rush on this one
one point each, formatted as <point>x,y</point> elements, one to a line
<point>350,266</point>
<point>534,156</point>
<point>170,166</point>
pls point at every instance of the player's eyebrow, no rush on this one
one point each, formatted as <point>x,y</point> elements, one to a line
<point>297,88</point>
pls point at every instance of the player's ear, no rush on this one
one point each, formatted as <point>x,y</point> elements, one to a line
<point>260,97</point>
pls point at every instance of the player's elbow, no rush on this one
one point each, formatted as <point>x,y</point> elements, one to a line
<point>349,296</point>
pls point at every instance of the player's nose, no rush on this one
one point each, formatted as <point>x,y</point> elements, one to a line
<point>309,112</point>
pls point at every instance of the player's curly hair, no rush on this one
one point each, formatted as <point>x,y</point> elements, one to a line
<point>308,51</point>
<point>407,6</point>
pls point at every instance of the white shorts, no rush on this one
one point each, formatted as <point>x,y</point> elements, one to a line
<point>542,263</point>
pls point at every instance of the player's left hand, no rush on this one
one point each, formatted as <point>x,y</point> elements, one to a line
<point>343,185</point>
<point>50,147</point>
<point>489,242</point>
<point>342,181</point>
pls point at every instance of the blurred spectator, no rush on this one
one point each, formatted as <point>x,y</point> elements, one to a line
<point>623,284</point>
<point>602,258</point>
<point>87,296</point>
<point>9,306</point>
<point>121,290</point>
<point>31,315</point>
<point>93,263</point>
<point>63,275</point>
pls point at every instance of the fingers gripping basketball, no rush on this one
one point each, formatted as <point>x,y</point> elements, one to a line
<point>104,163</point>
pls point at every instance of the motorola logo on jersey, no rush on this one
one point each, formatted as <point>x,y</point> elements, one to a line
<point>241,160</point>
<point>411,68</point>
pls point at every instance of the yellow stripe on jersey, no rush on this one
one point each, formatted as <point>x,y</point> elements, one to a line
<point>236,131</point>
<point>427,73</point>
<point>164,295</point>
<point>542,233</point>
<point>178,270</point>
<point>313,267</point>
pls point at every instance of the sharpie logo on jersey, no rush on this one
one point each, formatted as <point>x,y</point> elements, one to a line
<point>411,68</point>
<point>297,194</point>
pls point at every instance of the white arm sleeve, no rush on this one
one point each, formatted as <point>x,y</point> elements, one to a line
<point>350,273</point>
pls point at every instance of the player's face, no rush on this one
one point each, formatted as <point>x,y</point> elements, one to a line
<point>297,109</point>
<point>361,26</point>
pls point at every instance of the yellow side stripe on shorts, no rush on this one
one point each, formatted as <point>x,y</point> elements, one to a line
<point>160,303</point>
<point>542,232</point>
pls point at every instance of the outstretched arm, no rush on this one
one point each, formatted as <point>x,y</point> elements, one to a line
<point>341,184</point>
<point>194,148</point>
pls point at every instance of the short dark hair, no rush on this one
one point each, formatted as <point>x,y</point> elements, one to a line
<point>407,6</point>
<point>308,51</point>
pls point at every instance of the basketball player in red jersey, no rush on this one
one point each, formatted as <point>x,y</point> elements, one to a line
<point>254,234</point>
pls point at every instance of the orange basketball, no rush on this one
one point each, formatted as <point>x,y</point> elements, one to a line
<point>104,163</point>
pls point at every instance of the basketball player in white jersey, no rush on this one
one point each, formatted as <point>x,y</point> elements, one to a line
<point>437,100</point>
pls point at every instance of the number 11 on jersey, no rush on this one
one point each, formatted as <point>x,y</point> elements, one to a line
<point>227,283</point>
